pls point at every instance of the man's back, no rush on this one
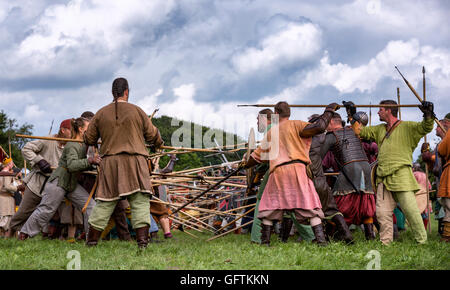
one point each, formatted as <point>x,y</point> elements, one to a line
<point>127,134</point>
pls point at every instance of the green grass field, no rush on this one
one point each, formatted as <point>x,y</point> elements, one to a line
<point>231,252</point>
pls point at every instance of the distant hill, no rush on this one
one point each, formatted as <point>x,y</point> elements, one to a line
<point>195,159</point>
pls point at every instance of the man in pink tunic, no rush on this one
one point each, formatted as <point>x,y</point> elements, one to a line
<point>286,148</point>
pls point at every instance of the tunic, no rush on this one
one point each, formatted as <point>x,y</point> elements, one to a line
<point>35,151</point>
<point>288,186</point>
<point>444,151</point>
<point>7,190</point>
<point>72,161</point>
<point>124,168</point>
<point>395,154</point>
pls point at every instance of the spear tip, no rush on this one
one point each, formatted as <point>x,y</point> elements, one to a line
<point>423,69</point>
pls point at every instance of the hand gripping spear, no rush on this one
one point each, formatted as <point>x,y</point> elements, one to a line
<point>251,144</point>
<point>426,166</point>
<point>419,98</point>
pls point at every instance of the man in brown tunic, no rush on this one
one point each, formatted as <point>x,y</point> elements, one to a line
<point>123,128</point>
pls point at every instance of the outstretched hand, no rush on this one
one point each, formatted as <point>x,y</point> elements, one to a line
<point>332,107</point>
<point>427,109</point>
<point>349,107</point>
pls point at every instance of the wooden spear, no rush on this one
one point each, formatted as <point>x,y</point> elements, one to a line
<point>185,224</point>
<point>225,233</point>
<point>209,189</point>
<point>235,220</point>
<point>420,99</point>
<point>398,101</point>
<point>426,166</point>
<point>216,212</point>
<point>324,106</point>
<point>81,141</point>
<point>185,213</point>
<point>205,167</point>
<point>153,114</point>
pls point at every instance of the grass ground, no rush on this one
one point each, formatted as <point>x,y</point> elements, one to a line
<point>231,252</point>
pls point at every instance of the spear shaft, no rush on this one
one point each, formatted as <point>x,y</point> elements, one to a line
<point>426,166</point>
<point>419,98</point>
<point>81,141</point>
<point>324,106</point>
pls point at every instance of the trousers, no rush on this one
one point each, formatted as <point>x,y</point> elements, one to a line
<point>52,196</point>
<point>385,205</point>
<point>140,211</point>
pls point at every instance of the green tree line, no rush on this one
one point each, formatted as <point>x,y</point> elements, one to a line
<point>8,129</point>
<point>195,159</point>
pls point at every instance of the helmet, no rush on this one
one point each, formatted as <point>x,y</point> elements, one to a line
<point>361,117</point>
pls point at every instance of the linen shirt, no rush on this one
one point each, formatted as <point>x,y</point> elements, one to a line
<point>35,151</point>
<point>395,154</point>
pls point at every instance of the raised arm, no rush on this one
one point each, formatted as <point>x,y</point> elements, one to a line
<point>321,124</point>
<point>151,133</point>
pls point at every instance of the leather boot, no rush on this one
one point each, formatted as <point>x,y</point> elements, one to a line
<point>320,236</point>
<point>342,228</point>
<point>286,227</point>
<point>142,237</point>
<point>265,234</point>
<point>120,218</point>
<point>330,230</point>
<point>445,237</point>
<point>396,233</point>
<point>368,232</point>
<point>22,236</point>
<point>440,226</point>
<point>51,231</point>
<point>10,233</point>
<point>93,236</point>
<point>154,238</point>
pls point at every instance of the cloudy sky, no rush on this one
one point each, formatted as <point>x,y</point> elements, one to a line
<point>197,60</point>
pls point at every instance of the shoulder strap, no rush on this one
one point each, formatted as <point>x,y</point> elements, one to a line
<point>388,133</point>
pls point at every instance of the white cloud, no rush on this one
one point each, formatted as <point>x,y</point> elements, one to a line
<point>33,112</point>
<point>217,51</point>
<point>409,56</point>
<point>185,91</point>
<point>94,21</point>
<point>81,38</point>
<point>295,42</point>
<point>220,115</point>
<point>148,103</point>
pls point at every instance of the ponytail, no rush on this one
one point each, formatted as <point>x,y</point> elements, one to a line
<point>76,125</point>
<point>119,86</point>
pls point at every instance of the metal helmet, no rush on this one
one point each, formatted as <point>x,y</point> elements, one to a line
<point>361,117</point>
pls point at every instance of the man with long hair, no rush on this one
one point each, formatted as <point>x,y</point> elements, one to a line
<point>123,128</point>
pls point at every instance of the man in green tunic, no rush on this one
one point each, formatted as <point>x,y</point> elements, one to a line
<point>395,181</point>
